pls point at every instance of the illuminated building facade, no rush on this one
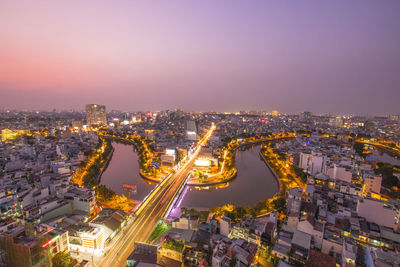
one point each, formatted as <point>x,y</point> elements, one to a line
<point>95,115</point>
<point>191,130</point>
<point>86,238</point>
<point>8,134</point>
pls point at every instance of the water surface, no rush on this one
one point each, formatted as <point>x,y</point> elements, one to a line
<point>386,158</point>
<point>124,169</point>
<point>254,182</point>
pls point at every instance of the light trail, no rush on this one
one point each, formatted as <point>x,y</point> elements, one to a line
<point>151,210</point>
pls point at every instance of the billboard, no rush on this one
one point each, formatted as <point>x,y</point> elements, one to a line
<point>202,162</point>
<point>170,152</point>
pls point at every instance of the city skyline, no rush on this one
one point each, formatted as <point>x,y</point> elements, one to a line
<point>199,133</point>
<point>333,57</point>
<point>232,112</point>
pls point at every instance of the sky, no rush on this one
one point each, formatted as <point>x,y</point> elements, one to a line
<point>331,56</point>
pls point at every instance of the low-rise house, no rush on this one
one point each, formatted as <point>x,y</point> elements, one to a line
<point>293,199</point>
<point>111,220</point>
<point>301,245</point>
<point>349,254</point>
<point>239,250</point>
<point>83,199</point>
<point>381,258</point>
<point>186,222</point>
<point>314,228</point>
<point>142,254</point>
<point>281,251</point>
<point>172,248</point>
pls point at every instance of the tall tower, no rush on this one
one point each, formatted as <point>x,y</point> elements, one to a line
<point>191,130</point>
<point>95,115</point>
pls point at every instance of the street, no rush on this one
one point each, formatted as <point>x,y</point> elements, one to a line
<point>150,212</point>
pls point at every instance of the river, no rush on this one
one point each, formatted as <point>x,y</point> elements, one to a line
<point>254,181</point>
<point>386,158</point>
<point>124,169</point>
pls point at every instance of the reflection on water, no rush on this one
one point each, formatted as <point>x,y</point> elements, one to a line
<point>211,187</point>
<point>386,158</point>
<point>254,182</point>
<point>124,169</point>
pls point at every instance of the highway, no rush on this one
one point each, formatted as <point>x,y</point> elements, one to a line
<point>153,208</point>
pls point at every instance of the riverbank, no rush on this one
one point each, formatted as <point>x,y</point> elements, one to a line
<point>254,182</point>
<point>150,178</point>
<point>223,177</point>
<point>282,169</point>
<point>277,178</point>
<point>284,176</point>
<point>145,156</point>
<point>104,168</point>
<point>89,175</point>
<point>215,181</point>
<point>192,182</point>
<point>229,160</point>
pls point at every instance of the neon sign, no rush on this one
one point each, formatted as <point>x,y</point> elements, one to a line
<point>50,241</point>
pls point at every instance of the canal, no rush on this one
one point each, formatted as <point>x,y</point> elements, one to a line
<point>124,169</point>
<point>254,181</point>
<point>386,158</point>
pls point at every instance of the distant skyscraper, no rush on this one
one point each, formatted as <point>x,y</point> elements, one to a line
<point>336,122</point>
<point>305,115</point>
<point>95,115</point>
<point>191,130</point>
<point>369,126</point>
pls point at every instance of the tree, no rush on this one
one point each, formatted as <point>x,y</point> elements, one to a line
<point>62,259</point>
<point>233,262</point>
<point>279,204</point>
<point>388,179</point>
<point>359,148</point>
<point>104,194</point>
<point>300,172</point>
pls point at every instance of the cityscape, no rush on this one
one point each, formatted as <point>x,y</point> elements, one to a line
<point>133,134</point>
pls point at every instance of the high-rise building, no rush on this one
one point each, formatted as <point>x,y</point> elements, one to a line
<point>95,115</point>
<point>369,126</point>
<point>191,130</point>
<point>336,122</point>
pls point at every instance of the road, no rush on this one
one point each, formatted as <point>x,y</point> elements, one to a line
<point>150,212</point>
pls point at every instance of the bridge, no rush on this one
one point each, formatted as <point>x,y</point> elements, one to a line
<point>153,208</point>
<point>391,150</point>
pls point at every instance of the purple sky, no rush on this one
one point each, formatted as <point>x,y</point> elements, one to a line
<point>326,56</point>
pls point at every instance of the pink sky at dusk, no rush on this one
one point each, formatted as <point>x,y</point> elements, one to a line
<point>323,56</point>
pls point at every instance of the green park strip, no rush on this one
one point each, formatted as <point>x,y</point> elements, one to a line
<point>161,228</point>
